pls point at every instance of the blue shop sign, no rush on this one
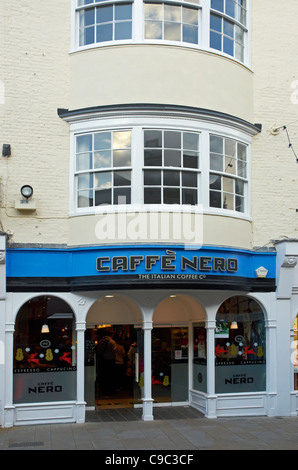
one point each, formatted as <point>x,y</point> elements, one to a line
<point>99,267</point>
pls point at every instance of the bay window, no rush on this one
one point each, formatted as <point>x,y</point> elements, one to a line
<point>218,25</point>
<point>137,163</point>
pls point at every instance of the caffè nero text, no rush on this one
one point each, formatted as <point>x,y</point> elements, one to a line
<point>167,262</point>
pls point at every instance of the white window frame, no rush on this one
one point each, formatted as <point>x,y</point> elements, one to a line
<point>138,27</point>
<point>137,126</point>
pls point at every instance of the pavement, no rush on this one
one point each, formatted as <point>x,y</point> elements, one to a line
<point>187,433</point>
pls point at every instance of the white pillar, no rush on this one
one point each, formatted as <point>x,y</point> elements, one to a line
<point>211,397</point>
<point>8,403</point>
<point>81,404</point>
<point>147,399</point>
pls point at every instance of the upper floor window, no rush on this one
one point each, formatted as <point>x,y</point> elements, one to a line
<point>141,163</point>
<point>103,168</point>
<point>171,22</point>
<point>218,25</point>
<point>107,22</point>
<point>228,173</point>
<point>228,27</point>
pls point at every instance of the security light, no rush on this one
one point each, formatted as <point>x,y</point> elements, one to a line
<point>26,191</point>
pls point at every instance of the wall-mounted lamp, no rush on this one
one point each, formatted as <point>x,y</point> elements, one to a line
<point>26,191</point>
<point>45,328</point>
<point>234,325</point>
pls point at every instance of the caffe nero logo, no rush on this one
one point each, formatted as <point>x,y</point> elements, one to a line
<point>45,387</point>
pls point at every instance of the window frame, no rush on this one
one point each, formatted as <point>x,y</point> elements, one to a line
<point>138,26</point>
<point>137,126</point>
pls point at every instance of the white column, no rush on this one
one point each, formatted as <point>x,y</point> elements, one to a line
<point>81,404</point>
<point>147,399</point>
<point>211,397</point>
<point>8,404</point>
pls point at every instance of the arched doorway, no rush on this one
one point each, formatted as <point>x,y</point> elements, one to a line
<point>178,322</point>
<point>113,353</point>
<point>240,346</point>
<point>45,353</point>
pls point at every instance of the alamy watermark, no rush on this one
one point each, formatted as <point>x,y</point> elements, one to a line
<point>184,226</point>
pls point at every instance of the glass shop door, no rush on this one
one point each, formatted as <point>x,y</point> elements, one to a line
<point>170,364</point>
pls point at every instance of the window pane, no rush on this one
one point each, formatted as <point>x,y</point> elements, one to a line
<point>121,139</point>
<point>153,139</point>
<point>228,184</point>
<point>152,196</point>
<point>122,158</point>
<point>190,159</point>
<point>122,196</point>
<point>172,158</point>
<point>122,178</point>
<point>152,177</point>
<point>215,182</point>
<point>230,147</point>
<point>153,157</point>
<point>216,162</point>
<point>153,11</point>
<point>228,201</point>
<point>102,140</point>
<point>172,13</point>
<point>190,34</point>
<point>86,36</point>
<point>103,197</point>
<point>104,14</point>
<point>172,139</point>
<point>153,30</point>
<point>84,143</point>
<point>84,161</point>
<point>230,8</point>
<point>86,18</point>
<point>171,178</point>
<point>189,196</point>
<point>216,23</point>
<point>123,30</point>
<point>104,33</point>
<point>228,29</point>
<point>189,179</point>
<point>171,196</point>
<point>172,32</point>
<point>217,5</point>
<point>216,144</point>
<point>242,169</point>
<point>190,141</point>
<point>103,180</point>
<point>215,199</point>
<point>85,198</point>
<point>85,181</point>
<point>239,204</point>
<point>228,46</point>
<point>103,159</point>
<point>190,16</point>
<point>230,165</point>
<point>123,12</point>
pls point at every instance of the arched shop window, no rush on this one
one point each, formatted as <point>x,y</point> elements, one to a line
<point>44,352</point>
<point>240,346</point>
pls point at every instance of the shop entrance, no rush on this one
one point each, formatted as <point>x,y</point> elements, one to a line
<point>113,366</point>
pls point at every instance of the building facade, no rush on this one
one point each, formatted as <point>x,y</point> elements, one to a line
<point>148,208</point>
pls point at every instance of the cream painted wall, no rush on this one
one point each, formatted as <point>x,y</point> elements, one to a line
<point>274,169</point>
<point>160,74</point>
<point>34,74</point>
<point>141,228</point>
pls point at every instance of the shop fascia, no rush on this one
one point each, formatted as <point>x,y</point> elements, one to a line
<point>166,263</point>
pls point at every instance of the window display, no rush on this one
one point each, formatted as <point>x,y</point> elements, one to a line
<point>44,352</point>
<point>240,347</point>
